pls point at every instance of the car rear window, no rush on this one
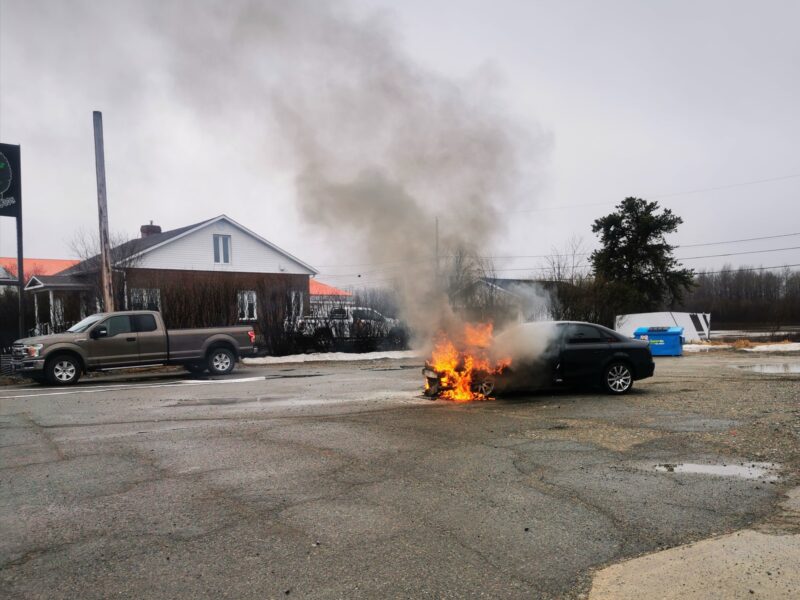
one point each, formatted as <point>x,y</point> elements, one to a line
<point>144,323</point>
<point>584,334</point>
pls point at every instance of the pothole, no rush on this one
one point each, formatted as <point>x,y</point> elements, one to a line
<point>746,470</point>
<point>772,368</point>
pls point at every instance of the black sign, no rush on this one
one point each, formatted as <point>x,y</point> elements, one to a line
<point>10,185</point>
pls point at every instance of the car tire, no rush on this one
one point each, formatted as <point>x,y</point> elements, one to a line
<point>63,369</point>
<point>618,378</point>
<point>395,340</point>
<point>196,368</point>
<point>323,341</point>
<point>484,387</point>
<point>221,361</point>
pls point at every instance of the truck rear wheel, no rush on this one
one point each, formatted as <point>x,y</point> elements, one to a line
<point>221,361</point>
<point>323,341</point>
<point>63,369</point>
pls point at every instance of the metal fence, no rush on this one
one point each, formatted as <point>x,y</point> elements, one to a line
<point>5,364</point>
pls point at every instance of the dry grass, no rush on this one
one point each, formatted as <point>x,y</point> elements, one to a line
<point>742,344</point>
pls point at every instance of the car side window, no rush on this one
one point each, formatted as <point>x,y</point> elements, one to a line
<point>118,324</point>
<point>144,323</point>
<point>584,334</point>
<point>361,315</point>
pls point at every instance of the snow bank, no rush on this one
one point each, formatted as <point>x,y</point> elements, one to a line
<point>330,356</point>
<point>704,347</point>
<point>775,348</point>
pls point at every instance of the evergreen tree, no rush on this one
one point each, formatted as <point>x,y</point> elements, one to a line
<point>636,260</point>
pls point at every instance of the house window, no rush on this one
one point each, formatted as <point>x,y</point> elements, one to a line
<point>247,305</point>
<point>222,249</point>
<point>145,299</point>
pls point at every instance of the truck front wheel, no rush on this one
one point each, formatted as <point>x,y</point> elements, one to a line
<point>221,361</point>
<point>63,369</point>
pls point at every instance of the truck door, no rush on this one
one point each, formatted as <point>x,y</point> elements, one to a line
<point>152,342</point>
<point>583,353</point>
<point>113,342</point>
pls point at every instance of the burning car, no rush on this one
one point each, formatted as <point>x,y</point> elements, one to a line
<point>535,356</point>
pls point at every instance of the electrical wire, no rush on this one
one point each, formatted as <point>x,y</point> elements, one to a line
<point>402,263</point>
<point>738,253</point>
<point>670,195</point>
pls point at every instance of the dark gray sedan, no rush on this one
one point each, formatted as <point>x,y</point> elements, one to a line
<point>561,353</point>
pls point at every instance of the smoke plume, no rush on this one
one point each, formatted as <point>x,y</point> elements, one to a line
<point>381,146</point>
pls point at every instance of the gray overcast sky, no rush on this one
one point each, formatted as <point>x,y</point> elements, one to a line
<point>625,97</point>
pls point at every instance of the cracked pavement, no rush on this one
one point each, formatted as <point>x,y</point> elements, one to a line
<point>332,480</point>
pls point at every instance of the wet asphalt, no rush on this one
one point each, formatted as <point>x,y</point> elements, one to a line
<point>338,480</point>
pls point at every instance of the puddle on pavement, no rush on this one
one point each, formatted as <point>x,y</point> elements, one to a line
<point>774,368</point>
<point>748,470</point>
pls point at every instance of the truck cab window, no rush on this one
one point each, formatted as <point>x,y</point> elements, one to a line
<point>144,323</point>
<point>118,324</point>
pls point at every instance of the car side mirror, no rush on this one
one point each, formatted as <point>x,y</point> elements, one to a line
<point>99,332</point>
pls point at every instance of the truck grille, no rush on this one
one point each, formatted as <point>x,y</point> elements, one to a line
<point>17,351</point>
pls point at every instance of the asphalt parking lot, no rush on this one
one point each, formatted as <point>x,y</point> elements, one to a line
<point>338,480</point>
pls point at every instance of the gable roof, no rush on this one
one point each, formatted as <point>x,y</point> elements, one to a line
<point>140,246</point>
<point>515,286</point>
<point>317,288</point>
<point>134,247</point>
<point>61,282</point>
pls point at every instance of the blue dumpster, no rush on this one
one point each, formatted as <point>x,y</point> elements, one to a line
<point>664,341</point>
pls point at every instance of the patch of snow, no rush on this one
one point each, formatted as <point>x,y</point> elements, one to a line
<point>775,348</point>
<point>330,356</point>
<point>704,347</point>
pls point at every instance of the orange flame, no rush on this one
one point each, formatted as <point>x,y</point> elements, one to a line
<point>459,362</point>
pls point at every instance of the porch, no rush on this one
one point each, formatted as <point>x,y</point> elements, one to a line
<point>58,302</point>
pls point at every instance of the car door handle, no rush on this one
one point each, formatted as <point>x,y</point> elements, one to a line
<point>133,339</point>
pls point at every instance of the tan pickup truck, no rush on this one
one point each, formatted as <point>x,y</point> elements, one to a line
<point>128,339</point>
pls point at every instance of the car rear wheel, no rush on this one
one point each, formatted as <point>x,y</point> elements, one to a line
<point>221,361</point>
<point>323,341</point>
<point>618,378</point>
<point>63,369</point>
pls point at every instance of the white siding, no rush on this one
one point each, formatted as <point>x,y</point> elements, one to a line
<point>195,252</point>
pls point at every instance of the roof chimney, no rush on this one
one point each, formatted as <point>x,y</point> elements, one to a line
<point>150,229</point>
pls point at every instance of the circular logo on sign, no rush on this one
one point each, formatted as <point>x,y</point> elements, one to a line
<point>5,174</point>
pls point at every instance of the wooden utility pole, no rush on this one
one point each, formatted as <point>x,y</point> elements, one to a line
<point>106,282</point>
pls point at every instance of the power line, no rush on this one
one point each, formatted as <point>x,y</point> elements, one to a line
<point>726,187</point>
<point>670,195</point>
<point>739,253</point>
<point>379,282</point>
<point>677,258</point>
<point>747,269</point>
<point>402,263</point>
<point>766,237</point>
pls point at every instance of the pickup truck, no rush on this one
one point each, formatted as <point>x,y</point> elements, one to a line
<point>357,325</point>
<point>128,339</point>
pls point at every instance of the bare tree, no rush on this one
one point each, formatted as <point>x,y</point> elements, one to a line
<point>85,245</point>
